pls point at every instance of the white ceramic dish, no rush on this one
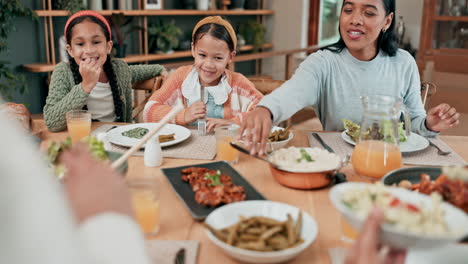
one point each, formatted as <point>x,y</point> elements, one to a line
<point>115,135</point>
<point>455,218</point>
<point>280,144</point>
<point>452,254</point>
<point>413,143</point>
<point>229,214</point>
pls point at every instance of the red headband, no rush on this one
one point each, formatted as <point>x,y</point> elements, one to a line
<point>87,13</point>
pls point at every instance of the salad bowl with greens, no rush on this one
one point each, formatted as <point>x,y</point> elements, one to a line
<point>96,149</point>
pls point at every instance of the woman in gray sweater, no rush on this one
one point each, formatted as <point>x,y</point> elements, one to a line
<point>366,60</point>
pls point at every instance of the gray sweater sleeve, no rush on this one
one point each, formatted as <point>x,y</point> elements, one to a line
<point>413,102</point>
<point>302,90</point>
<point>63,96</point>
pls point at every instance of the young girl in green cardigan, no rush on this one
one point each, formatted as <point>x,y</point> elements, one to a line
<point>92,80</point>
<point>207,88</point>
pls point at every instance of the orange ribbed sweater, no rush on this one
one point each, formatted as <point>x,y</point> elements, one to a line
<point>242,99</point>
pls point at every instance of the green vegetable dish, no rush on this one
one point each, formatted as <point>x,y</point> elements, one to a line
<point>96,148</point>
<point>138,132</point>
<point>382,132</point>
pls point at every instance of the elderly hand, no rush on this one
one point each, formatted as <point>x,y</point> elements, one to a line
<point>256,125</point>
<point>442,117</point>
<point>92,187</point>
<point>366,248</point>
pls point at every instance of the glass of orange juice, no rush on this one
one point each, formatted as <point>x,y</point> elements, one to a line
<point>78,124</point>
<point>349,233</point>
<point>224,136</point>
<point>145,201</point>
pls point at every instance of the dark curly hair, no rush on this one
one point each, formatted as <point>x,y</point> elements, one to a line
<point>214,30</point>
<point>387,41</point>
<point>108,70</point>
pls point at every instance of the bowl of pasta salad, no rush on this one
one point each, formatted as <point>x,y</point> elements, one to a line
<point>412,220</point>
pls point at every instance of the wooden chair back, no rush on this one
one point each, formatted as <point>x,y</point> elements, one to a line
<point>142,92</point>
<point>266,86</point>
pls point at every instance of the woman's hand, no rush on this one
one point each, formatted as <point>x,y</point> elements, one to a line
<point>90,71</point>
<point>92,187</point>
<point>442,117</point>
<point>366,248</point>
<point>212,123</point>
<point>195,111</point>
<point>256,126</point>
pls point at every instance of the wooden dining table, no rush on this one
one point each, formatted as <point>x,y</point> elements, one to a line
<point>178,224</point>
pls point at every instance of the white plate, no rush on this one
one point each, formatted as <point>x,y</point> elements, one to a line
<point>115,135</point>
<point>413,143</point>
<point>453,254</point>
<point>229,214</point>
<point>455,218</point>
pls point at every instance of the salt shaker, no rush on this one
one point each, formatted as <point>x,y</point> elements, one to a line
<point>153,153</point>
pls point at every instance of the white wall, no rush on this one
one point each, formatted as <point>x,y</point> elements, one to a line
<point>411,10</point>
<point>286,29</point>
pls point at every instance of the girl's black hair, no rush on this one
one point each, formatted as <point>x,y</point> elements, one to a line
<point>108,69</point>
<point>214,30</point>
<point>387,41</point>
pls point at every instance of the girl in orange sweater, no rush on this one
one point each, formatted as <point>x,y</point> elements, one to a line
<point>207,89</point>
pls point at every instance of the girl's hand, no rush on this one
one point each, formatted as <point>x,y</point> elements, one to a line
<point>195,111</point>
<point>367,246</point>
<point>256,125</point>
<point>212,123</point>
<point>90,71</point>
<point>442,117</point>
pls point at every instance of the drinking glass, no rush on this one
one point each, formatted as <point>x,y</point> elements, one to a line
<point>377,150</point>
<point>224,135</point>
<point>145,201</point>
<point>78,124</point>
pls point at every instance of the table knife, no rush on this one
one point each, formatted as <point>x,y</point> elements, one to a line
<point>320,140</point>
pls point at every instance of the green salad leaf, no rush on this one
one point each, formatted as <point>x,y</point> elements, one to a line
<point>384,131</point>
<point>96,148</point>
<point>214,178</point>
<point>305,156</point>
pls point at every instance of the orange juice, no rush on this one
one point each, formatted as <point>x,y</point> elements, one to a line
<point>349,233</point>
<point>146,209</point>
<point>375,158</point>
<point>224,150</point>
<point>78,129</point>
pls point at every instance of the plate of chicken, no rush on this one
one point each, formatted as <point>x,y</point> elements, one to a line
<point>204,187</point>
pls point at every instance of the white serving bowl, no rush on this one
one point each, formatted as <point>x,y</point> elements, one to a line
<point>229,214</point>
<point>280,144</point>
<point>455,218</point>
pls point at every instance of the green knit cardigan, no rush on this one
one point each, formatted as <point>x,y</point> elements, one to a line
<point>64,95</point>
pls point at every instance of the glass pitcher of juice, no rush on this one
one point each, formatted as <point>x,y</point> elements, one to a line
<point>377,150</point>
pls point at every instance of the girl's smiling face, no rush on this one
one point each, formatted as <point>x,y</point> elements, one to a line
<point>212,56</point>
<point>361,22</point>
<point>88,42</point>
